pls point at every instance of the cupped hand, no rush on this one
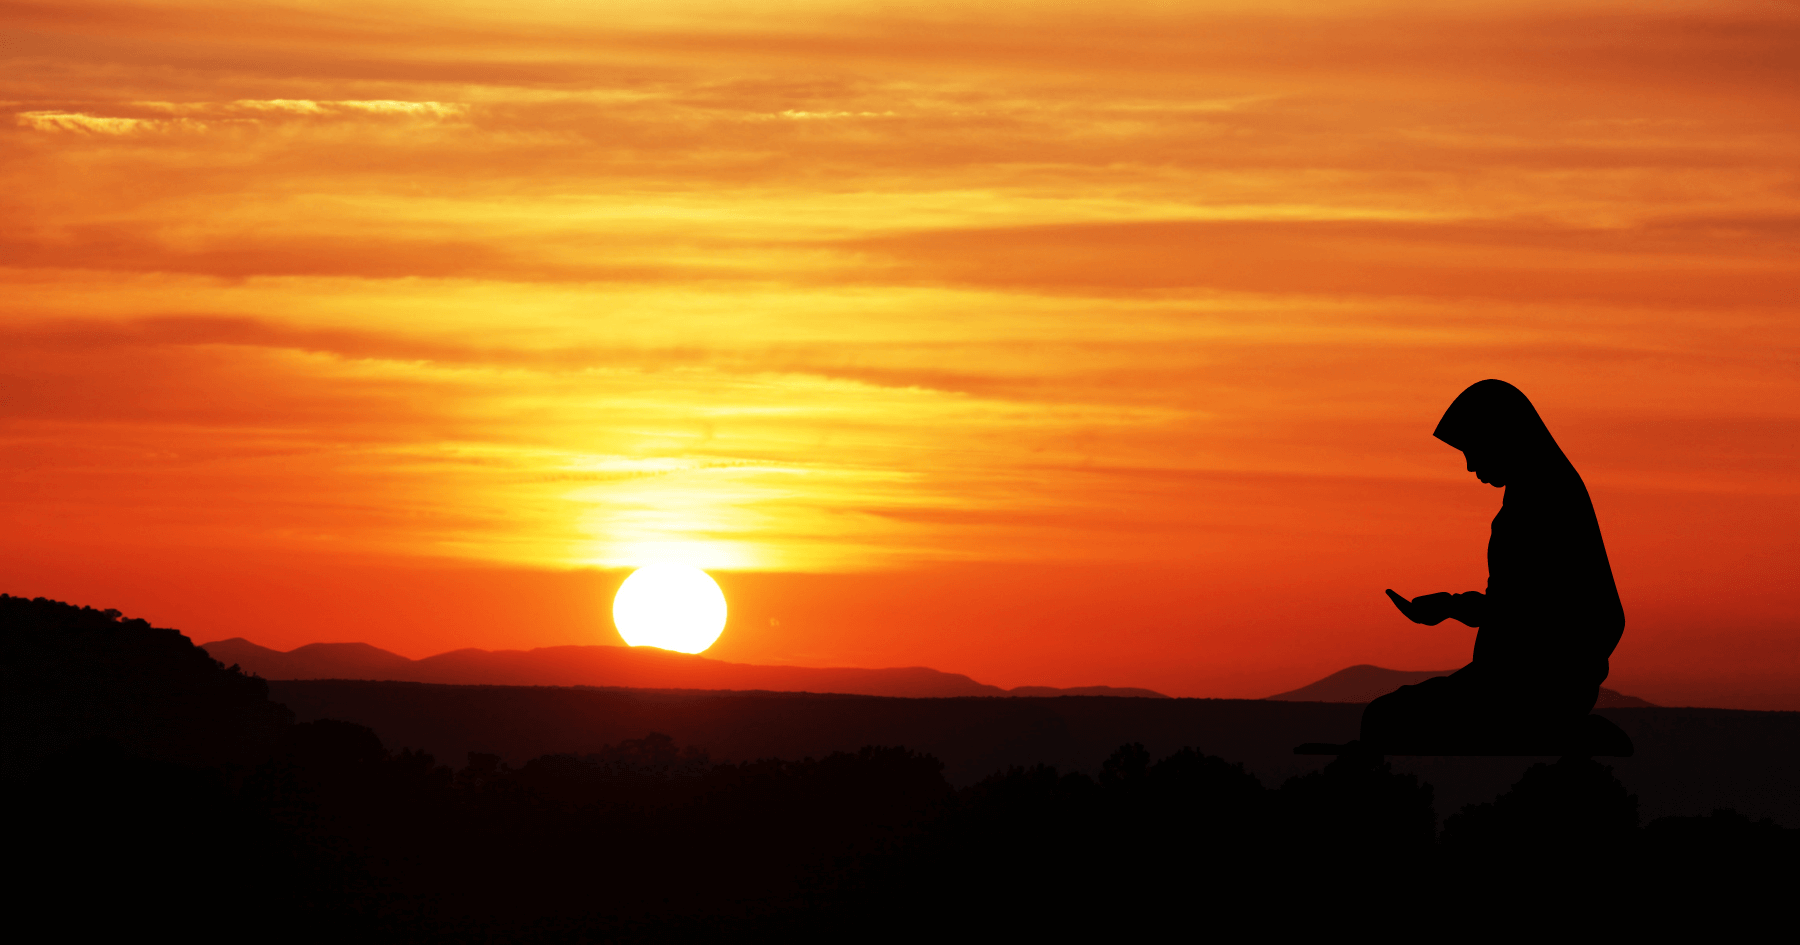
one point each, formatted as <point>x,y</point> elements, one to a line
<point>1430,610</point>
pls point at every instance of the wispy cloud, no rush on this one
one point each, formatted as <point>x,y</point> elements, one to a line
<point>93,124</point>
<point>200,116</point>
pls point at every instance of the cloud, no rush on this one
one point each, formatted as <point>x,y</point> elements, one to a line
<point>201,116</point>
<point>91,124</point>
<point>817,116</point>
<point>235,256</point>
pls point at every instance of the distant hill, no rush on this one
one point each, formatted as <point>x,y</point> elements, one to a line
<point>612,666</point>
<point>1365,683</point>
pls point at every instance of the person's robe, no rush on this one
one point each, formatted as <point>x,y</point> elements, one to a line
<point>1553,614</point>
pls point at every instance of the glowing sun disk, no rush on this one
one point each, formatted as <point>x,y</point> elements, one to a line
<point>671,607</point>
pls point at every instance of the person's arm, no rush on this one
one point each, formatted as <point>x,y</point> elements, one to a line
<point>1471,608</point>
<point>1432,609</point>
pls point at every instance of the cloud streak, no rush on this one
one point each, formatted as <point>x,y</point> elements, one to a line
<point>199,117</point>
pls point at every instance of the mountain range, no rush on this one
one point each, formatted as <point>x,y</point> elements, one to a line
<point>612,666</point>
<point>651,668</point>
<point>1364,683</point>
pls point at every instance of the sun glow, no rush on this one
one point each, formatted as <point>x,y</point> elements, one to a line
<point>671,607</point>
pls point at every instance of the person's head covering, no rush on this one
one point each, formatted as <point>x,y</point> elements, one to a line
<point>1496,419</point>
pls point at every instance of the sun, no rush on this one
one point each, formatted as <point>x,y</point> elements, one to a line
<point>671,607</point>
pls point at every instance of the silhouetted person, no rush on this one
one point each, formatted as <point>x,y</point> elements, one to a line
<point>1551,614</point>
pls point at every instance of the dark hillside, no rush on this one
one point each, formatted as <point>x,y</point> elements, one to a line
<point>76,675</point>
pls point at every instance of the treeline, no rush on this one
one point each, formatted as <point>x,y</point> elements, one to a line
<point>181,805</point>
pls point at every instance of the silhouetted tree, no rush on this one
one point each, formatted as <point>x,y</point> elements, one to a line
<point>1357,809</point>
<point>1716,876</point>
<point>1573,807</point>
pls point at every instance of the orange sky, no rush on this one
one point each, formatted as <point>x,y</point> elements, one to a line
<point>1055,344</point>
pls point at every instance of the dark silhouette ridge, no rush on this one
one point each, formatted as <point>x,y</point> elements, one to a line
<point>1690,761</point>
<point>318,831</point>
<point>1548,621</point>
<point>80,676</point>
<point>973,736</point>
<point>1116,692</point>
<point>129,754</point>
<point>1366,683</point>
<point>633,667</point>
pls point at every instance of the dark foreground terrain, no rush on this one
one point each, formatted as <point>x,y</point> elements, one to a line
<point>160,792</point>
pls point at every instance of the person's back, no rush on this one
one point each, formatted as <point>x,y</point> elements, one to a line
<point>1551,615</point>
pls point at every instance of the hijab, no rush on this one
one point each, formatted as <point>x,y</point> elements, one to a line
<point>1494,418</point>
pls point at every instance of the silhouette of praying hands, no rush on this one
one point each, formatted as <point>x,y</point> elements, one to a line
<point>1433,609</point>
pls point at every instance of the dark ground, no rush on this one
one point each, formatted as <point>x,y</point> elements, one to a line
<point>157,793</point>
